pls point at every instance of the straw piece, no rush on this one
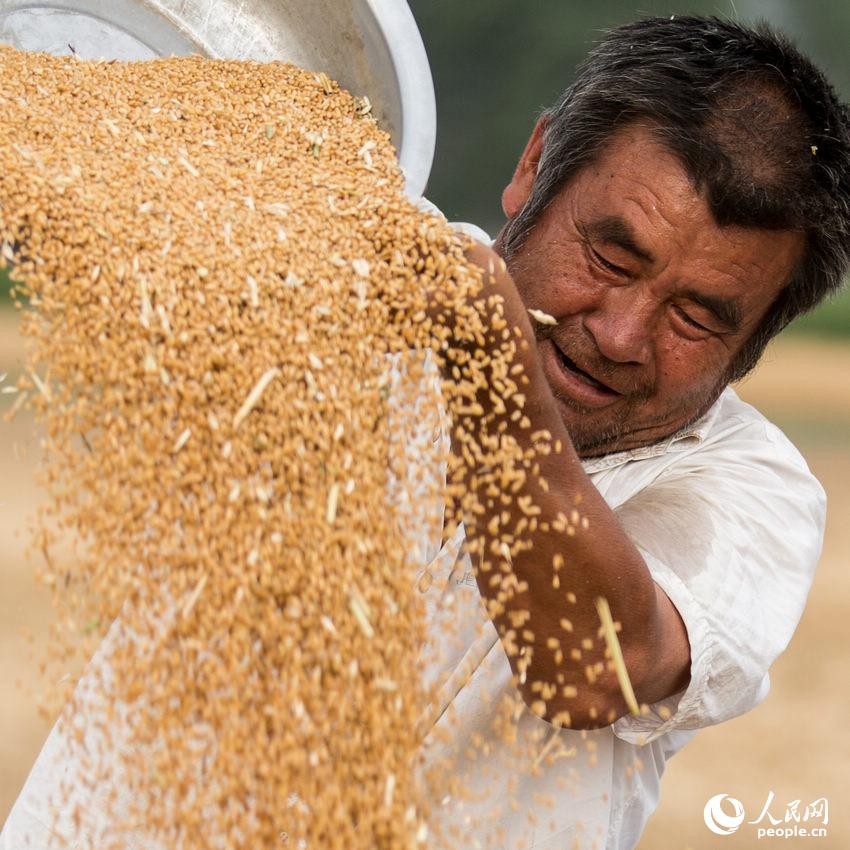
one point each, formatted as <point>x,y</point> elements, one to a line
<point>610,634</point>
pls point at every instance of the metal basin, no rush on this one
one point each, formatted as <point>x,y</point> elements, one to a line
<point>372,47</point>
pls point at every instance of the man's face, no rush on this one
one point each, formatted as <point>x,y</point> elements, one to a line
<point>652,299</point>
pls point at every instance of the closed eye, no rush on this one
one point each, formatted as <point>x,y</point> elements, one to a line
<point>608,266</point>
<point>693,323</point>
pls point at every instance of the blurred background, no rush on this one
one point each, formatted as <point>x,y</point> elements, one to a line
<point>496,65</point>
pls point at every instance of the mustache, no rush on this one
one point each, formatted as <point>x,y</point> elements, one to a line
<point>626,380</point>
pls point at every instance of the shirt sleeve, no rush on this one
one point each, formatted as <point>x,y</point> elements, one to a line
<point>732,536</point>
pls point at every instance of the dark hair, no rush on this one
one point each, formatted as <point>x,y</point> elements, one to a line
<point>756,125</point>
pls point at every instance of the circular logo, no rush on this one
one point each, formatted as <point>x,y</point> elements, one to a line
<point>717,820</point>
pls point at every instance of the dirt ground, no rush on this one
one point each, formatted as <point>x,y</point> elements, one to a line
<point>795,744</point>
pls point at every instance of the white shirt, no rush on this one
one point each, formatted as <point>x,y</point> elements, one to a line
<point>730,522</point>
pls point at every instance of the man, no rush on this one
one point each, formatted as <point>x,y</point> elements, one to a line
<point>686,198</point>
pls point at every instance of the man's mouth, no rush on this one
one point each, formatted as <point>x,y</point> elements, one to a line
<point>581,374</point>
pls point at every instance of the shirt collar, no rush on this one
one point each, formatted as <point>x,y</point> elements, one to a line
<point>687,437</point>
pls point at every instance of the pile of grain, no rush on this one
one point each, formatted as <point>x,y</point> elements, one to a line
<point>219,265</point>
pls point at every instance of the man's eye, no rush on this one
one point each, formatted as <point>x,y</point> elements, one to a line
<point>692,322</point>
<point>605,264</point>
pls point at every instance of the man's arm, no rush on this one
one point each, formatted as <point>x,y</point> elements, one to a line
<point>567,679</point>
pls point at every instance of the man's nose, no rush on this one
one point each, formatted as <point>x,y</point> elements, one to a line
<point>622,325</point>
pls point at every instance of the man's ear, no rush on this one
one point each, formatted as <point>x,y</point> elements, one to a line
<point>518,190</point>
